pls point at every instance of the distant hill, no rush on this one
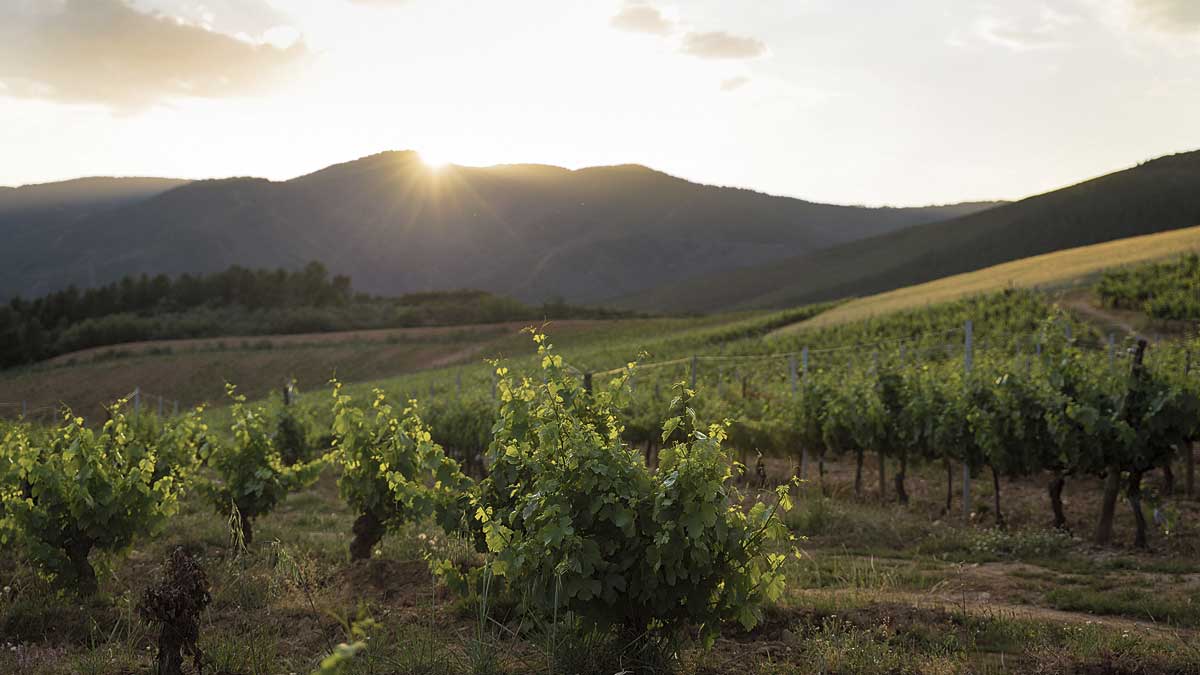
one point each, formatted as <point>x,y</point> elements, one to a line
<point>35,218</point>
<point>529,231</point>
<point>81,195</point>
<point>1156,196</point>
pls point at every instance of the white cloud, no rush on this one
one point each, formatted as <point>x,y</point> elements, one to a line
<point>734,83</point>
<point>108,52</point>
<point>1048,27</point>
<point>1171,15</point>
<point>641,18</point>
<point>722,45</point>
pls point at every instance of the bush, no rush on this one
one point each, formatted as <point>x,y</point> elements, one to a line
<point>392,471</point>
<point>251,476</point>
<point>68,491</point>
<point>577,521</point>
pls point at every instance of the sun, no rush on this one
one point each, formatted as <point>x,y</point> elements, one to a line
<point>433,160</point>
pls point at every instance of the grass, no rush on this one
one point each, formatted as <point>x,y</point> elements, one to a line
<point>878,590</point>
<point>1064,268</point>
<point>1173,609</point>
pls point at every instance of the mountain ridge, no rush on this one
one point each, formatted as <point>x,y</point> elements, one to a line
<point>1154,196</point>
<point>535,232</point>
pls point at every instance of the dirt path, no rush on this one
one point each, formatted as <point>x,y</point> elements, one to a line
<point>984,604</point>
<point>1100,315</point>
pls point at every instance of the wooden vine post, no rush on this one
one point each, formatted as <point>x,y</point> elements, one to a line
<point>1189,451</point>
<point>968,362</point>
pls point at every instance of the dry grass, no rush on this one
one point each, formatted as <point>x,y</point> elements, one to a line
<point>195,371</point>
<point>1071,267</point>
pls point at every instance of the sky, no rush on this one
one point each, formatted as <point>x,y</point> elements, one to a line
<point>877,102</point>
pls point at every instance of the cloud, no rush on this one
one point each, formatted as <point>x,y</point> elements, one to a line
<point>231,17</point>
<point>734,83</point>
<point>639,18</point>
<point>108,52</point>
<point>1048,28</point>
<point>1171,15</point>
<point>722,45</point>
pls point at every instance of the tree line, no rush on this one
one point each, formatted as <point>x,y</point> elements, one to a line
<point>240,301</point>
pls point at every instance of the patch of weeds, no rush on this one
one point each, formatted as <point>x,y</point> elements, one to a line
<point>572,647</point>
<point>242,654</point>
<point>1176,610</point>
<point>841,646</point>
<point>843,523</point>
<point>1090,648</point>
<point>847,571</point>
<point>1021,544</point>
<point>409,650</point>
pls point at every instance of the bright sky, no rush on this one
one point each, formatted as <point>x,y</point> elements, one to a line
<point>863,101</point>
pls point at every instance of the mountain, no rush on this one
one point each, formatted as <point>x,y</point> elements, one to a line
<point>80,196</point>
<point>395,225</point>
<point>1156,196</point>
<point>33,219</point>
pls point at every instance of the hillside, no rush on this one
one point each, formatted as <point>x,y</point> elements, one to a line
<point>529,231</point>
<point>35,219</point>
<point>1160,195</point>
<point>79,196</point>
<point>1059,270</point>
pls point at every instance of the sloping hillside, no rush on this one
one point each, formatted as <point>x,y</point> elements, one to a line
<point>1058,270</point>
<point>35,218</point>
<point>394,224</point>
<point>1160,195</point>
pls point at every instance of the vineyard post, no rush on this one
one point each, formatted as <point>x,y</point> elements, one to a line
<point>176,406</point>
<point>160,406</point>
<point>137,400</point>
<point>693,387</point>
<point>1067,330</point>
<point>587,383</point>
<point>795,388</point>
<point>1112,350</point>
<point>1189,478</point>
<point>968,357</point>
<point>804,374</point>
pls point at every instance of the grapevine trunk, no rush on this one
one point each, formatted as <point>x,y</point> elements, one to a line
<point>368,531</point>
<point>1056,505</point>
<point>1134,494</point>
<point>858,473</point>
<point>1112,486</point>
<point>77,553</point>
<point>996,491</point>
<point>901,493</point>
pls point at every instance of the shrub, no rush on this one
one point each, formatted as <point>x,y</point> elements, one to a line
<point>251,476</point>
<point>68,491</point>
<point>392,471</point>
<point>576,520</point>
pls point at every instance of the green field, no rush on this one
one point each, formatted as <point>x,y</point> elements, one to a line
<point>932,585</point>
